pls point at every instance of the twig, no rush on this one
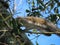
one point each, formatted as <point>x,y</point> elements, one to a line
<point>2,34</point>
<point>6,22</point>
<point>3,30</point>
<point>3,43</point>
<point>8,17</point>
<point>8,25</point>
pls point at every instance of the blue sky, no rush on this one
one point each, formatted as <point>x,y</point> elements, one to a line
<point>21,6</point>
<point>45,40</point>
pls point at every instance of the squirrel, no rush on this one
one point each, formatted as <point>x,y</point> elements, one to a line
<point>49,26</point>
<point>36,20</point>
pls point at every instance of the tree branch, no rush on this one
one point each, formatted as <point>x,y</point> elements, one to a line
<point>42,32</point>
<point>3,30</point>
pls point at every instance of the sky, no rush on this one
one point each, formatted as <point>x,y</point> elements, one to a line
<point>21,6</point>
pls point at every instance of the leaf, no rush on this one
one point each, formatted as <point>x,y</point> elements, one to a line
<point>56,10</point>
<point>56,1</point>
<point>41,2</point>
<point>27,11</point>
<point>33,4</point>
<point>40,7</point>
<point>34,30</point>
<point>58,4</point>
<point>33,9</point>
<point>53,18</point>
<point>51,5</point>
<point>37,43</point>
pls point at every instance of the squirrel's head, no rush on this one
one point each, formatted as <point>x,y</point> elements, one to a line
<point>29,19</point>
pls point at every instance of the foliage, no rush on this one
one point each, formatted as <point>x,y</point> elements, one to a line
<point>10,34</point>
<point>47,7</point>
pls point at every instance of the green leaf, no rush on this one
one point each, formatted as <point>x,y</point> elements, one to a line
<point>58,3</point>
<point>34,30</point>
<point>56,10</point>
<point>33,4</point>
<point>37,43</point>
<point>27,11</point>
